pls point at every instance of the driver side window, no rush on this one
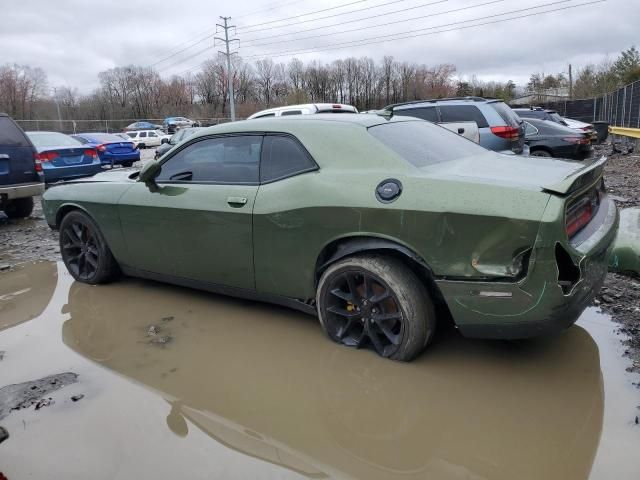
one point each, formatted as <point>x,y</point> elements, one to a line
<point>228,160</point>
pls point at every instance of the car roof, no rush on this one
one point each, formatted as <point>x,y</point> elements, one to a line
<point>452,100</point>
<point>296,122</point>
<point>311,106</point>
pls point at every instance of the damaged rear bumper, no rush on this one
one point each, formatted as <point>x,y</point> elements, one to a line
<point>539,304</point>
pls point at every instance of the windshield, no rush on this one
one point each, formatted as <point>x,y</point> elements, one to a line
<point>422,143</point>
<point>52,139</point>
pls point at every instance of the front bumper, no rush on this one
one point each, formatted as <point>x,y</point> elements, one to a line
<point>21,190</point>
<point>538,304</point>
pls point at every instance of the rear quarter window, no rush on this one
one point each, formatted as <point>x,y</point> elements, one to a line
<point>422,143</point>
<point>425,113</point>
<point>508,115</point>
<point>11,135</point>
<point>283,157</point>
<point>463,113</point>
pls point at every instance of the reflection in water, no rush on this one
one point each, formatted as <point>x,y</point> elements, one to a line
<point>264,381</point>
<point>25,293</point>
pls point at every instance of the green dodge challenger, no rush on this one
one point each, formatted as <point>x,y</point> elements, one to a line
<point>382,227</point>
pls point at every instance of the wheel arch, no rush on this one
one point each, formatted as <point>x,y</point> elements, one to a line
<point>344,247</point>
<point>65,209</point>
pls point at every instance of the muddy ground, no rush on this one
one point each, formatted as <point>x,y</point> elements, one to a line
<point>620,295</point>
<point>31,240</point>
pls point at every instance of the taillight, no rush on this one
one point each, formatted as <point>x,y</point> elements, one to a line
<point>90,153</point>
<point>579,215</point>
<point>46,156</point>
<point>510,133</point>
<point>101,148</point>
<point>577,140</point>
<point>37,162</point>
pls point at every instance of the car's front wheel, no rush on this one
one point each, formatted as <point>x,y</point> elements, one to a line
<point>19,207</point>
<point>376,301</point>
<point>85,251</point>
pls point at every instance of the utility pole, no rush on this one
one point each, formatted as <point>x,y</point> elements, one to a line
<point>228,54</point>
<point>55,99</point>
<point>570,83</point>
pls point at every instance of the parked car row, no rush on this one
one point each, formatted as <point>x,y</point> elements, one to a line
<point>169,125</point>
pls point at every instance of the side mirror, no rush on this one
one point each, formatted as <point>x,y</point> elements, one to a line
<point>164,140</point>
<point>149,173</point>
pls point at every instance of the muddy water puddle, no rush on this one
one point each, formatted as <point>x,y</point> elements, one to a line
<point>172,380</point>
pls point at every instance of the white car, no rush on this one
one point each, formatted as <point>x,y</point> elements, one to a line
<point>148,138</point>
<point>582,127</point>
<point>305,109</point>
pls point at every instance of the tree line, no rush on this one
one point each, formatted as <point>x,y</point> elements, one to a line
<point>140,92</point>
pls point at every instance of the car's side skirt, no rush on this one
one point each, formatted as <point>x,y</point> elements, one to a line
<point>289,302</point>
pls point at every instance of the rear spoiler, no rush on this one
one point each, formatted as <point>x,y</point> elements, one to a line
<point>585,176</point>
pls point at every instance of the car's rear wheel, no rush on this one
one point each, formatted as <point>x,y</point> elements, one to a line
<point>127,164</point>
<point>85,251</point>
<point>541,153</point>
<point>19,207</point>
<point>377,302</point>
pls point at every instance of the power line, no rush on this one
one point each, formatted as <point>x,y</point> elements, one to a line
<point>469,7</point>
<point>182,50</point>
<point>199,52</point>
<point>303,14</point>
<point>207,30</point>
<point>365,41</point>
<point>273,6</point>
<point>325,17</point>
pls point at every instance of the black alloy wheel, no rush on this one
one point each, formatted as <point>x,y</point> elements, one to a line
<point>84,250</point>
<point>376,301</point>
<point>363,310</point>
<point>79,249</point>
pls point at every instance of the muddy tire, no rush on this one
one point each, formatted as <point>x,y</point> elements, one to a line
<point>376,301</point>
<point>85,251</point>
<point>19,207</point>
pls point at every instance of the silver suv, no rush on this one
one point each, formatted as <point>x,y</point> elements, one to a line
<point>500,128</point>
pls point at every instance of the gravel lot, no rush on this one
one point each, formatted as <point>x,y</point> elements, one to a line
<point>620,296</point>
<point>31,240</point>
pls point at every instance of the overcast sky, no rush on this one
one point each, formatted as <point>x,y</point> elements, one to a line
<point>73,40</point>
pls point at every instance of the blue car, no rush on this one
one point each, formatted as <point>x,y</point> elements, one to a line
<point>62,157</point>
<point>112,149</point>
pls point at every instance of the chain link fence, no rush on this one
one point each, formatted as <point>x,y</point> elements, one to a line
<point>105,126</point>
<point>620,108</point>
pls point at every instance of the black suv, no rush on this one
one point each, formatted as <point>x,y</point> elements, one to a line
<point>20,173</point>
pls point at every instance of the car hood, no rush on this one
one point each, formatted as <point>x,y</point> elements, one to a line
<point>549,174</point>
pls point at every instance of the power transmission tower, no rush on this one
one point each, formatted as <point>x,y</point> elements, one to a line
<point>227,41</point>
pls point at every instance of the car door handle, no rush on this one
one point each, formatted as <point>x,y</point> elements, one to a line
<point>236,201</point>
<point>4,156</point>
